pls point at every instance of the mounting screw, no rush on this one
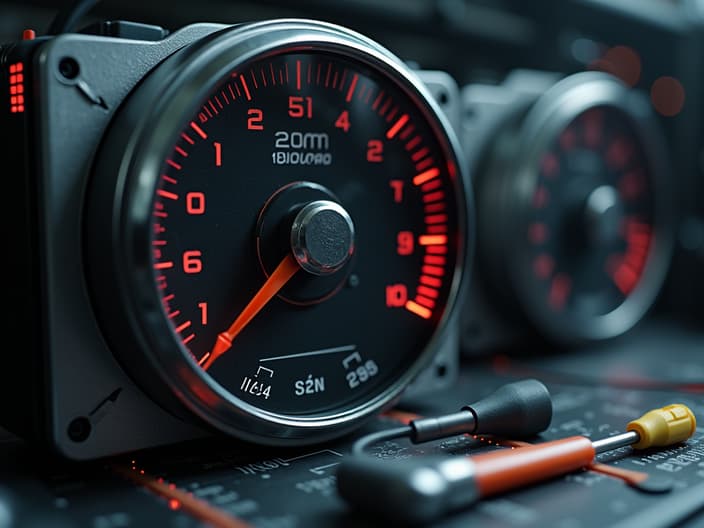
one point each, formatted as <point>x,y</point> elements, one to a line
<point>69,68</point>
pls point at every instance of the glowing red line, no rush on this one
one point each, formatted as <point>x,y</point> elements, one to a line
<point>431,185</point>
<point>353,85</point>
<point>181,151</point>
<point>430,281</point>
<point>377,100</point>
<point>343,78</point>
<point>163,265</point>
<point>428,175</point>
<point>434,207</point>
<point>168,179</point>
<point>422,165</point>
<point>432,240</point>
<point>420,154</point>
<point>327,75</point>
<point>167,194</point>
<point>298,75</point>
<point>173,164</point>
<point>394,111</point>
<point>424,301</point>
<point>246,88</point>
<point>413,143</point>
<point>434,259</point>
<point>417,309</point>
<point>185,325</point>
<point>436,250</point>
<point>397,126</point>
<point>437,271</point>
<point>187,138</point>
<point>407,132</point>
<point>432,293</point>
<point>198,130</point>
<point>436,219</point>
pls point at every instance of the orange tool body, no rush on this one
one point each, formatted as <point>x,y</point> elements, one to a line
<point>501,470</point>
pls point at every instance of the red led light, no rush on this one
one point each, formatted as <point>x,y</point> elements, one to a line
<point>16,88</point>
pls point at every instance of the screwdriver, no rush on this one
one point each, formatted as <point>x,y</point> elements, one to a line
<point>421,489</point>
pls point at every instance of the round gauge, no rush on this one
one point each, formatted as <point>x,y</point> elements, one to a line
<point>276,231</point>
<point>574,210</point>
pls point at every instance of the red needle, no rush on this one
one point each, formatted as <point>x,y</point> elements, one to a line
<point>286,269</point>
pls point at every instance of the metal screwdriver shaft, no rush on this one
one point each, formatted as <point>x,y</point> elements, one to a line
<point>615,442</point>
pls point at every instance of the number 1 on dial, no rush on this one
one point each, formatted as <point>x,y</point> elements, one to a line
<point>218,154</point>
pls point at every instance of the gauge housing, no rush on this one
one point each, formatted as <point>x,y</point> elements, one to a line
<point>132,154</point>
<point>82,402</point>
<point>519,122</point>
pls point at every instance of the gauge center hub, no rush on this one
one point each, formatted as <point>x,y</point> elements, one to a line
<point>603,215</point>
<point>322,237</point>
<point>308,220</point>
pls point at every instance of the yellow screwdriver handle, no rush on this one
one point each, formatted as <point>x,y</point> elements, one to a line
<point>662,427</point>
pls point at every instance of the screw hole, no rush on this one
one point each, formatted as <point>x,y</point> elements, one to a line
<point>69,68</point>
<point>441,370</point>
<point>443,98</point>
<point>79,429</point>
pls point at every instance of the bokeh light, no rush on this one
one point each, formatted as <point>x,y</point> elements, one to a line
<point>667,95</point>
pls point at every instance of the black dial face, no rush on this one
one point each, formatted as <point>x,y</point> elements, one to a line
<point>590,219</point>
<point>306,233</point>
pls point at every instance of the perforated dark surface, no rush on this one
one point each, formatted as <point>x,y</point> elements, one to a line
<point>595,393</point>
